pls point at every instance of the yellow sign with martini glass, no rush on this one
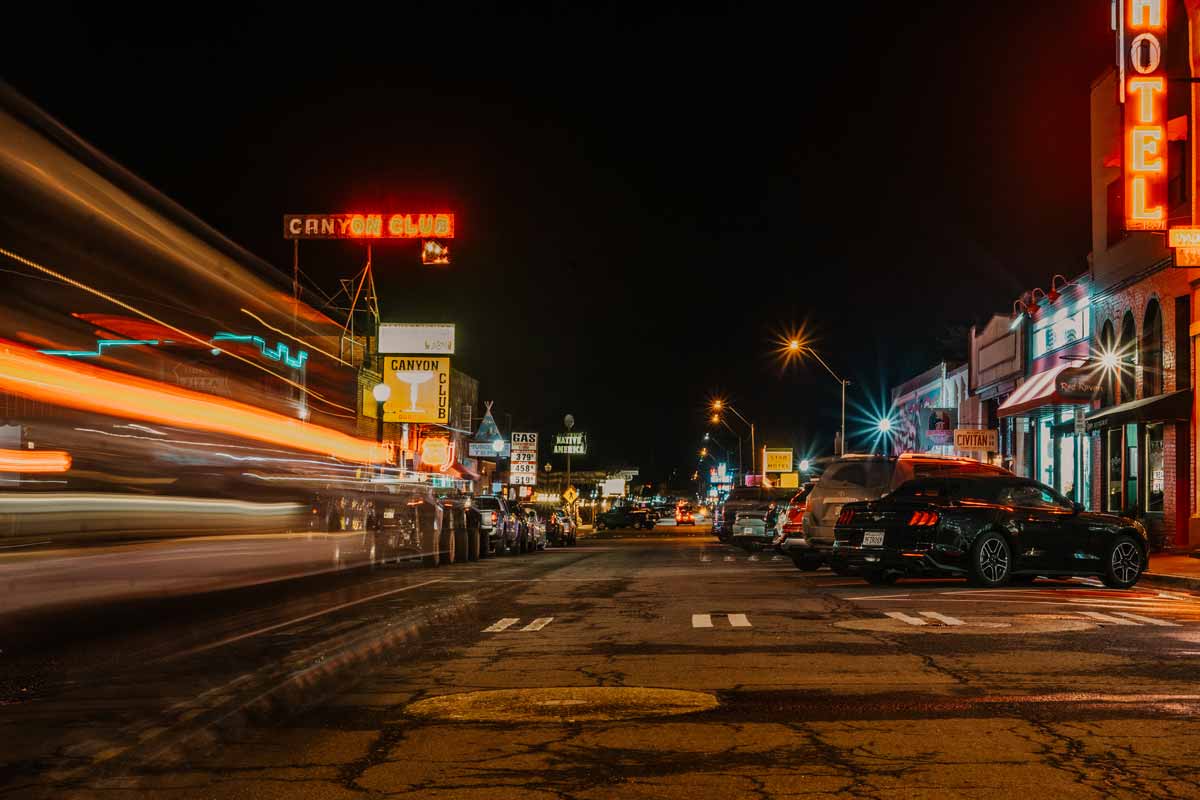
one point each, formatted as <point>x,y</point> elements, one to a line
<point>420,389</point>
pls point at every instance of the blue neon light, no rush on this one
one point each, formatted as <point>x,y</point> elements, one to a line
<point>278,353</point>
<point>100,345</point>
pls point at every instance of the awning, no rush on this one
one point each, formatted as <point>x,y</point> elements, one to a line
<point>1064,385</point>
<point>1173,407</point>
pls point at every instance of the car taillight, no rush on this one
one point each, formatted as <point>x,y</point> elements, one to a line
<point>845,517</point>
<point>923,519</point>
<point>796,513</point>
<point>495,517</point>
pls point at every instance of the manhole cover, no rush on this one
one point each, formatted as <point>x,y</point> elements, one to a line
<point>563,704</point>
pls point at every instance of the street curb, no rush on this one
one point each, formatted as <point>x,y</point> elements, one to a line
<point>1172,581</point>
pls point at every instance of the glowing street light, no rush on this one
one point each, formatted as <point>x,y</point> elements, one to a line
<point>805,465</point>
<point>794,347</point>
<point>885,425</point>
<point>719,405</point>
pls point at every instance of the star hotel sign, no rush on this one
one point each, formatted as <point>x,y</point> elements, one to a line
<point>1143,28</point>
<point>368,226</point>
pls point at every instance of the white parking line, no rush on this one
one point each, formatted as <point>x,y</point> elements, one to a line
<point>538,624</point>
<point>905,618</point>
<point>503,624</point>
<point>738,620</point>
<point>729,558</point>
<point>1107,618</point>
<point>702,620</point>
<point>1149,620</point>
<point>942,618</point>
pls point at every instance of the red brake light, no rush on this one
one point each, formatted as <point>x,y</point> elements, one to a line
<point>494,517</point>
<point>923,519</point>
<point>845,517</point>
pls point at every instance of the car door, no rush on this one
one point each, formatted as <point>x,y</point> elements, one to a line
<point>1047,536</point>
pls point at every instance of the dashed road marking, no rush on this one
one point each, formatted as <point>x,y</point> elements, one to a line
<point>752,558</point>
<point>738,620</point>
<point>1149,620</point>
<point>702,620</point>
<point>1108,619</point>
<point>729,558</point>
<point>502,624</point>
<point>735,620</point>
<point>905,618</point>
<point>942,618</point>
<point>538,624</point>
<point>777,558</point>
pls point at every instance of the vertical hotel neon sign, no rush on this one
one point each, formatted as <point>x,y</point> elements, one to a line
<point>1142,31</point>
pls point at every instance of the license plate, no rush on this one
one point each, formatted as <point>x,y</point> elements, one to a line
<point>872,539</point>
<point>389,513</point>
<point>747,530</point>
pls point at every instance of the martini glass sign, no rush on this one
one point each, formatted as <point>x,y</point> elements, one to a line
<point>414,378</point>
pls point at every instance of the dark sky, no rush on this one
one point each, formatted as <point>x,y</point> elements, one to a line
<point>646,195</point>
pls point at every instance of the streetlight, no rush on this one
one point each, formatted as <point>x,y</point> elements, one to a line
<point>718,405</point>
<point>796,346</point>
<point>381,392</point>
<point>716,419</point>
<point>885,429</point>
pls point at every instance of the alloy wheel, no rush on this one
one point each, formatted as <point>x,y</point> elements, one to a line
<point>993,560</point>
<point>1126,562</point>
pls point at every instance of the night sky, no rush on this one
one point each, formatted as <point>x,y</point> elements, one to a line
<point>645,200</point>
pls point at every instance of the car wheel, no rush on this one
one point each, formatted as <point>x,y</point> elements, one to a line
<point>991,560</point>
<point>879,577</point>
<point>1124,563</point>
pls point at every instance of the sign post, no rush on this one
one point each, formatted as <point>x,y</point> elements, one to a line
<point>523,463</point>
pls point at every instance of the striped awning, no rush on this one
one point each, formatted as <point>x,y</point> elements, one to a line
<point>1064,385</point>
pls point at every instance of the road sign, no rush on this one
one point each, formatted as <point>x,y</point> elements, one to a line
<point>524,465</point>
<point>570,495</point>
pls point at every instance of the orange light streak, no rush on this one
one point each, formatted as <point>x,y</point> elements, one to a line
<point>34,461</point>
<point>86,387</point>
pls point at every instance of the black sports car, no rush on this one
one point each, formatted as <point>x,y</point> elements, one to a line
<point>991,529</point>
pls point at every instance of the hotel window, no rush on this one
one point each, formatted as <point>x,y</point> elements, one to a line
<point>1151,351</point>
<point>1155,476</point>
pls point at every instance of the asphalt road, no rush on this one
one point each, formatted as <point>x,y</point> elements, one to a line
<point>643,667</point>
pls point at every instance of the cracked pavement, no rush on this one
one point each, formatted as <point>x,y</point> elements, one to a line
<point>806,708</point>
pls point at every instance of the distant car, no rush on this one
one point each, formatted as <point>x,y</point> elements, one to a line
<point>560,529</point>
<point>535,527</point>
<point>853,478</point>
<point>750,530</point>
<point>502,529</point>
<point>747,498</point>
<point>789,529</point>
<point>626,517</point>
<point>684,516</point>
<point>992,529</point>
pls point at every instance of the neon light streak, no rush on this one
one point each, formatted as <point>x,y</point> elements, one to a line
<point>79,385</point>
<point>34,461</point>
<point>1145,89</point>
<point>279,353</point>
<point>1137,202</point>
<point>100,345</point>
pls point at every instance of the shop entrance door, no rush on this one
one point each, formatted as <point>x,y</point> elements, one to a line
<point>1131,467</point>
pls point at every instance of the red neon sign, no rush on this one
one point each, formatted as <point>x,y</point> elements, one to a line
<point>1145,98</point>
<point>368,226</point>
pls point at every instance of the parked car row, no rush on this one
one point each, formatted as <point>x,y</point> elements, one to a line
<point>915,515</point>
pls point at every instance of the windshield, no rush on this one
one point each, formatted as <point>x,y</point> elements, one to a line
<point>864,474</point>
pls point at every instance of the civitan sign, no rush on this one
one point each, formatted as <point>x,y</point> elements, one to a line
<point>368,226</point>
<point>1142,29</point>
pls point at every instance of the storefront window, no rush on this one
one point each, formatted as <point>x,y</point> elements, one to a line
<point>1084,494</point>
<point>1155,475</point>
<point>1131,467</point>
<point>1066,459</point>
<point>1045,444</point>
<point>1115,454</point>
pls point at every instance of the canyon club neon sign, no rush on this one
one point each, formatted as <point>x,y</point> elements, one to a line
<point>368,226</point>
<point>1142,30</point>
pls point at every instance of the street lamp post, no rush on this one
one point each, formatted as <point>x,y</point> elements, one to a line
<point>796,346</point>
<point>719,405</point>
<point>717,418</point>
<point>381,392</point>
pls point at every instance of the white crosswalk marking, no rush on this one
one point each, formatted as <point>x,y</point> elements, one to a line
<point>538,624</point>
<point>500,625</point>
<point>905,618</point>
<point>1108,618</point>
<point>942,618</point>
<point>1149,620</point>
<point>702,620</point>
<point>729,558</point>
<point>738,620</point>
<point>705,559</point>
<point>752,558</point>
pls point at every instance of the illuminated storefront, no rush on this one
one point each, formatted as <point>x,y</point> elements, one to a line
<point>1048,410</point>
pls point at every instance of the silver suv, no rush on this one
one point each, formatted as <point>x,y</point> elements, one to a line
<point>864,477</point>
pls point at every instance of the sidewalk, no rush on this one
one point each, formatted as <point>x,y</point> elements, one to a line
<point>1177,571</point>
